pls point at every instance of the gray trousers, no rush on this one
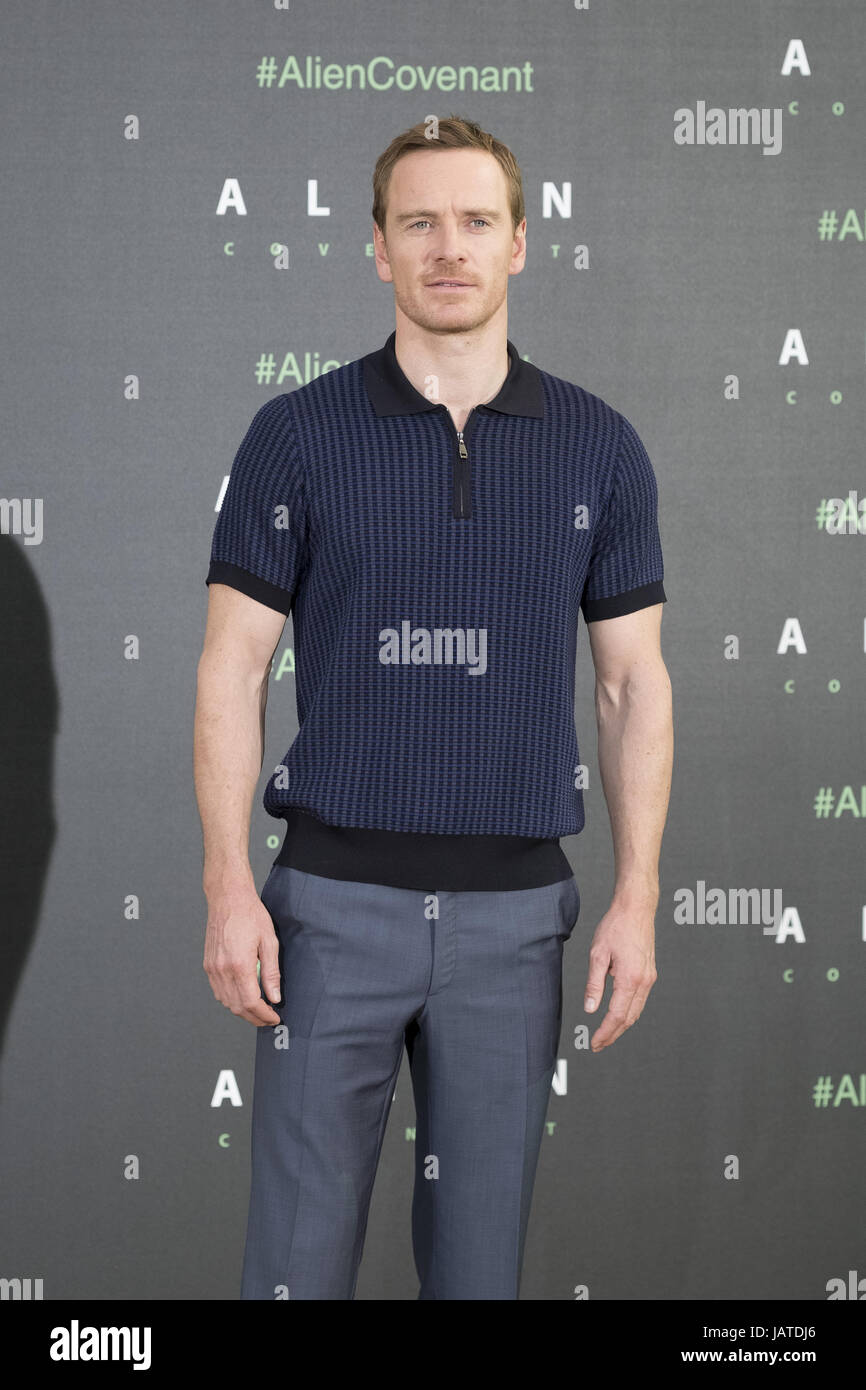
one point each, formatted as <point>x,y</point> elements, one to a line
<point>471,984</point>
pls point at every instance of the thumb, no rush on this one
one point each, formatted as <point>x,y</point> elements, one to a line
<point>269,955</point>
<point>594,991</point>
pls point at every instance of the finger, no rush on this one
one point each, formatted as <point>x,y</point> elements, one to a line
<point>233,989</point>
<point>637,1005</point>
<point>614,1022</point>
<point>252,1006</point>
<point>269,955</point>
<point>258,1012</point>
<point>225,981</point>
<point>635,1009</point>
<point>599,964</point>
<point>262,1015</point>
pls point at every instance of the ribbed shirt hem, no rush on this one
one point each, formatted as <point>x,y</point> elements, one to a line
<point>429,863</point>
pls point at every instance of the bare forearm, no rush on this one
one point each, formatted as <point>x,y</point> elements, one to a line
<point>228,754</point>
<point>635,755</point>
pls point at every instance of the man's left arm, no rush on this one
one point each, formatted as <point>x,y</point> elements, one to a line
<point>634,713</point>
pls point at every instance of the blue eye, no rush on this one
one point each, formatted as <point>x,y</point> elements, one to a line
<point>424,219</point>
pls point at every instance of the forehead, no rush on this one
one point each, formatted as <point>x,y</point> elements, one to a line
<point>440,174</point>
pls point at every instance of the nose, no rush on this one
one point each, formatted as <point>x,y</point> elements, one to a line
<point>447,247</point>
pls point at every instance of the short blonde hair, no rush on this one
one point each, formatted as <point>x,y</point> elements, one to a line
<point>454,132</point>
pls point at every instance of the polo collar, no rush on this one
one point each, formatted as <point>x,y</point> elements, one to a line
<point>392,393</point>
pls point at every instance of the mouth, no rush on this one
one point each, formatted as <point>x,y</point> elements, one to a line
<point>449,285</point>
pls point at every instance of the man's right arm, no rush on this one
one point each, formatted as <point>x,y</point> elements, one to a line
<point>232,689</point>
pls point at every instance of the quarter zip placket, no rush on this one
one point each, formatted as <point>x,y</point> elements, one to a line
<point>462,484</point>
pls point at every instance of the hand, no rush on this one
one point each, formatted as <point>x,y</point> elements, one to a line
<point>240,931</point>
<point>623,946</point>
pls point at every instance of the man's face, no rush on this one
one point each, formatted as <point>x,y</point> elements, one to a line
<point>449,218</point>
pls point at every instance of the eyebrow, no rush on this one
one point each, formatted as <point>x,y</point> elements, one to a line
<point>490,213</point>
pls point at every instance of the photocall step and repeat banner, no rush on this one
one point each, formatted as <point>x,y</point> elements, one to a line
<point>188,234</point>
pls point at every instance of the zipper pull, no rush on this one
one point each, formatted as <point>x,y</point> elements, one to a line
<point>464,452</point>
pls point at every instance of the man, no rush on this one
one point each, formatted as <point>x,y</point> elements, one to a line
<point>433,515</point>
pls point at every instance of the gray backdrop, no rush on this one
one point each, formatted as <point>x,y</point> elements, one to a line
<point>694,1158</point>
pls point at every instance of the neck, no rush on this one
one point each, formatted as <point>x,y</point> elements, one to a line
<point>461,369</point>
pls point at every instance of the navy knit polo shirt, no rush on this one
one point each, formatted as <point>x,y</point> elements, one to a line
<point>434,580</point>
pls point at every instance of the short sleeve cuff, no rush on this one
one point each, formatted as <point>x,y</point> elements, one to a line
<point>594,609</point>
<point>221,572</point>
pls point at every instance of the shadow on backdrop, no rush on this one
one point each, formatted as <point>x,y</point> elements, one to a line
<point>29,706</point>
